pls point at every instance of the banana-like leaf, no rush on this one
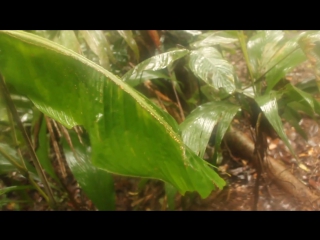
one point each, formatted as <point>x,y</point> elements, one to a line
<point>129,135</point>
<point>143,70</point>
<point>198,126</point>
<point>96,183</point>
<point>271,51</point>
<point>216,38</point>
<point>268,105</point>
<point>127,36</point>
<point>208,64</point>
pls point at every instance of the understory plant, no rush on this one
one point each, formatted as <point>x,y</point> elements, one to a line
<point>86,81</point>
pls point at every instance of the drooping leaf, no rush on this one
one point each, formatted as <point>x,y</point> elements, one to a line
<point>129,135</point>
<point>216,38</point>
<point>127,36</point>
<point>144,70</point>
<point>208,64</point>
<point>198,126</point>
<point>268,105</point>
<point>96,183</point>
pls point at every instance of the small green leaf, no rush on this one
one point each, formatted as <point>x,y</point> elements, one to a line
<point>294,118</point>
<point>171,193</point>
<point>14,188</point>
<point>268,105</point>
<point>144,70</point>
<point>208,64</point>
<point>198,126</point>
<point>128,37</point>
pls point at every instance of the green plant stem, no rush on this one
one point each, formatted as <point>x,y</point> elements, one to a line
<point>35,159</point>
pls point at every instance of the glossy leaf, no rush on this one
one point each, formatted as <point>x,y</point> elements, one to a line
<point>129,135</point>
<point>272,52</point>
<point>128,37</point>
<point>268,105</point>
<point>216,38</point>
<point>96,183</point>
<point>208,64</point>
<point>99,45</point>
<point>143,70</point>
<point>198,126</point>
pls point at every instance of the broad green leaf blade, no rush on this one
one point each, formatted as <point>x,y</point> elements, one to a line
<point>68,39</point>
<point>268,105</point>
<point>198,126</point>
<point>158,62</point>
<point>216,38</point>
<point>128,37</point>
<point>208,64</point>
<point>129,135</point>
<point>96,183</point>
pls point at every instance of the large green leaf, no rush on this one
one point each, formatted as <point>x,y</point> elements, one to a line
<point>96,183</point>
<point>268,105</point>
<point>198,126</point>
<point>129,135</point>
<point>144,70</point>
<point>208,64</point>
